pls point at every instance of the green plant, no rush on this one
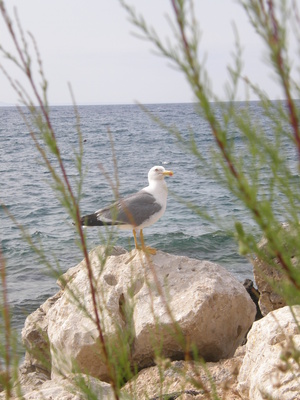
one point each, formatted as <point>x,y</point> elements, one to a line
<point>249,159</point>
<point>36,114</point>
<point>262,156</point>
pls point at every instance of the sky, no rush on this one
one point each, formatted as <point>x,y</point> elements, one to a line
<point>90,44</point>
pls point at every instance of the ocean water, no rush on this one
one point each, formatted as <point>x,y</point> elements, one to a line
<point>138,144</point>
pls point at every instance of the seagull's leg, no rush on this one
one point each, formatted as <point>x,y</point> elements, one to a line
<point>144,248</point>
<point>135,240</point>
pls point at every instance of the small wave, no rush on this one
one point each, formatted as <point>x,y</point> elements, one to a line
<point>120,130</point>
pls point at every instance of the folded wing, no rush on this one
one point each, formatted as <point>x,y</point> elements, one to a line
<point>133,210</point>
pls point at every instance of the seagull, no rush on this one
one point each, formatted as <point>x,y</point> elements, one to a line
<point>136,211</point>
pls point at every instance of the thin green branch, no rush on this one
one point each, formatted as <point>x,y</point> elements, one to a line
<point>6,375</point>
<point>63,184</point>
<point>186,58</point>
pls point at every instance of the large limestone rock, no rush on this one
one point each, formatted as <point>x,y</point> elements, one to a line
<point>263,374</point>
<point>161,304</point>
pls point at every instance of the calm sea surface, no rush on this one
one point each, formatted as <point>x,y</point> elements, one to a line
<point>139,143</point>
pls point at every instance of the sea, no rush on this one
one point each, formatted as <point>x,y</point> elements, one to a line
<point>121,143</point>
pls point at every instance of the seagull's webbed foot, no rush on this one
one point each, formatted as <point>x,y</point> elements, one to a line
<point>143,247</point>
<point>146,249</point>
<point>149,250</point>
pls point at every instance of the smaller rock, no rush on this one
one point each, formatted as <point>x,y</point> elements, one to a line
<point>183,380</point>
<point>271,340</point>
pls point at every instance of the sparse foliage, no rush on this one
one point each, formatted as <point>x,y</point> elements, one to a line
<point>262,158</point>
<point>241,169</point>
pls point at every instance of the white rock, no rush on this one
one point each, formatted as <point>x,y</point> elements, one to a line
<point>207,304</point>
<point>262,373</point>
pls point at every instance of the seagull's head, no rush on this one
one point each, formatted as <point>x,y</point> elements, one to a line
<point>158,173</point>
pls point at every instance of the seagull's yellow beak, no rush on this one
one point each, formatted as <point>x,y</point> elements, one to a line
<point>168,173</point>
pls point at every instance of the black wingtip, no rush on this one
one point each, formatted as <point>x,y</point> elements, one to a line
<point>91,220</point>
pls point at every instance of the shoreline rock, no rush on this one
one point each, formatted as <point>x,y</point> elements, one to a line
<point>206,305</point>
<point>268,369</point>
<point>147,300</point>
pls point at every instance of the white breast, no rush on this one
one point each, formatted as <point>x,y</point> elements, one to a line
<point>159,190</point>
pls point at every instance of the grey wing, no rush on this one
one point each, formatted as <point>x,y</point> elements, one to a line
<point>132,210</point>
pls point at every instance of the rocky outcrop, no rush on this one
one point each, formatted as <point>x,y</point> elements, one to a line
<point>159,305</point>
<point>269,370</point>
<point>168,304</point>
<point>164,302</point>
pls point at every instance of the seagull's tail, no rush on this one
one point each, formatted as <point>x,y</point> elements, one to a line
<point>91,220</point>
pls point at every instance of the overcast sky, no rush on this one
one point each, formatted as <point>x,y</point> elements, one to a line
<point>89,43</point>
